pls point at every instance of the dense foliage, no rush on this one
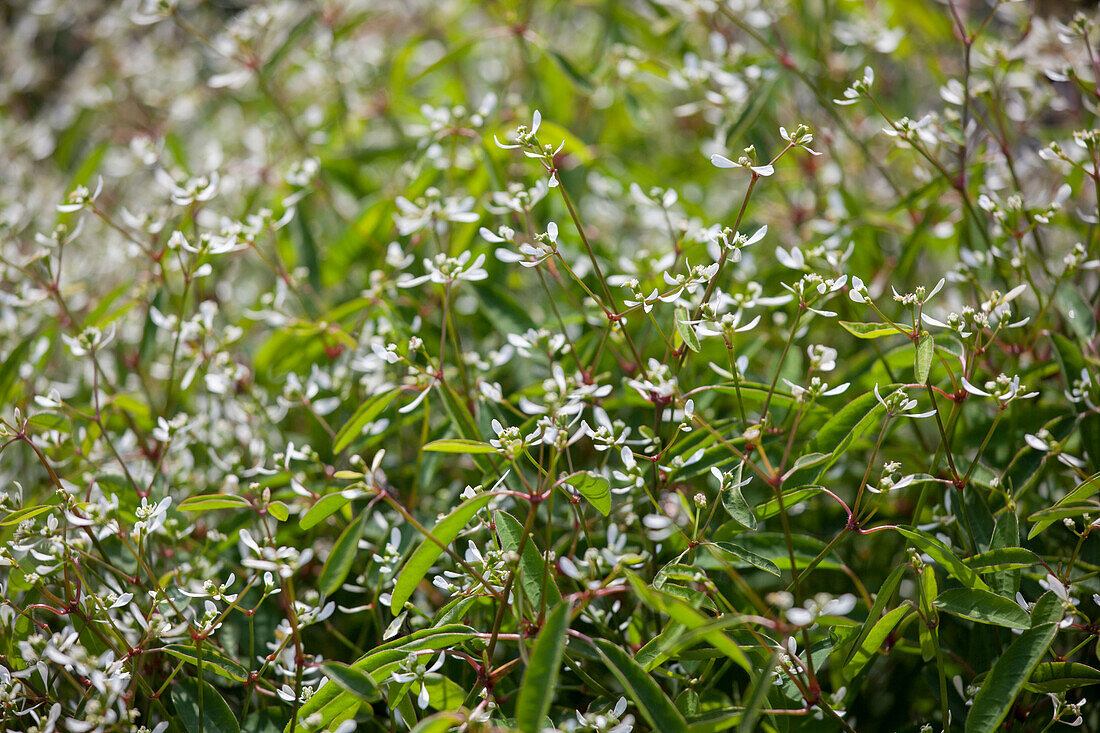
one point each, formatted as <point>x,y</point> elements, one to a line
<point>673,365</point>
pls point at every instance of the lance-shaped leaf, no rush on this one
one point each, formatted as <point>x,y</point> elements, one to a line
<point>870,330</point>
<point>355,681</point>
<point>594,487</point>
<point>366,413</point>
<point>984,607</point>
<point>432,547</point>
<point>216,717</point>
<point>651,700</point>
<point>922,362</point>
<point>1010,672</point>
<point>733,500</point>
<point>683,327</point>
<point>339,561</point>
<point>531,563</point>
<point>540,680</point>
<point>210,502</point>
<point>459,445</point>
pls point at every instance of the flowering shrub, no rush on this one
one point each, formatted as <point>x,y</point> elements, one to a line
<point>673,365</point>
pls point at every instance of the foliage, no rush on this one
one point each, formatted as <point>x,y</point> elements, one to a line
<point>676,365</point>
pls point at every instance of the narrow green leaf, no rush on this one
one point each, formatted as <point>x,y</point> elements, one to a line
<point>651,700</point>
<point>734,501</point>
<point>332,702</point>
<point>355,681</point>
<point>984,607</point>
<point>594,487</point>
<point>688,617</point>
<point>745,557</point>
<point>459,445</point>
<point>532,566</point>
<point>439,723</point>
<point>540,680</point>
<point>943,555</point>
<point>325,506</point>
<point>1073,504</point>
<point>922,363</point>
<point>757,696</point>
<point>1062,677</point>
<point>683,327</point>
<point>210,502</point>
<point>422,559</point>
<point>22,515</point>
<point>885,593</point>
<point>853,420</point>
<point>1007,678</point>
<point>1002,558</point>
<point>869,644</point>
<point>339,561</point>
<point>366,413</point>
<point>9,370</point>
<point>211,661</point>
<point>870,330</point>
<point>771,507</point>
<point>807,461</point>
<point>1077,311</point>
<point>216,715</point>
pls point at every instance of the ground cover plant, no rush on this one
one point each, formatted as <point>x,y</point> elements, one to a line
<point>669,365</point>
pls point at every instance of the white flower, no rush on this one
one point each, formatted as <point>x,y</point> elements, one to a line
<point>899,404</point>
<point>1003,389</point>
<point>721,161</point>
<point>858,88</point>
<point>446,270</point>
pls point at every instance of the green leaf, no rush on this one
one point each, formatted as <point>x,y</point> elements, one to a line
<point>869,643</point>
<point>700,626</point>
<point>594,487</point>
<point>734,501</point>
<point>279,510</point>
<point>683,327</point>
<point>943,555</point>
<point>745,557</point>
<point>807,461</point>
<point>1073,504</point>
<point>1007,678</point>
<point>459,445</point>
<point>9,370</point>
<point>325,506</point>
<point>216,715</point>
<point>210,502</point>
<point>1062,677</point>
<point>532,566</point>
<point>984,607</point>
<point>22,515</point>
<point>366,413</point>
<point>540,679</point>
<point>1077,312</point>
<point>211,661</point>
<point>870,330</point>
<point>439,722</point>
<point>791,498</point>
<point>885,593</point>
<point>1003,558</point>
<point>331,702</point>
<point>355,681</point>
<point>339,561</point>
<point>651,700</point>
<point>922,363</point>
<point>422,559</point>
<point>853,420</point>
<point>757,696</point>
